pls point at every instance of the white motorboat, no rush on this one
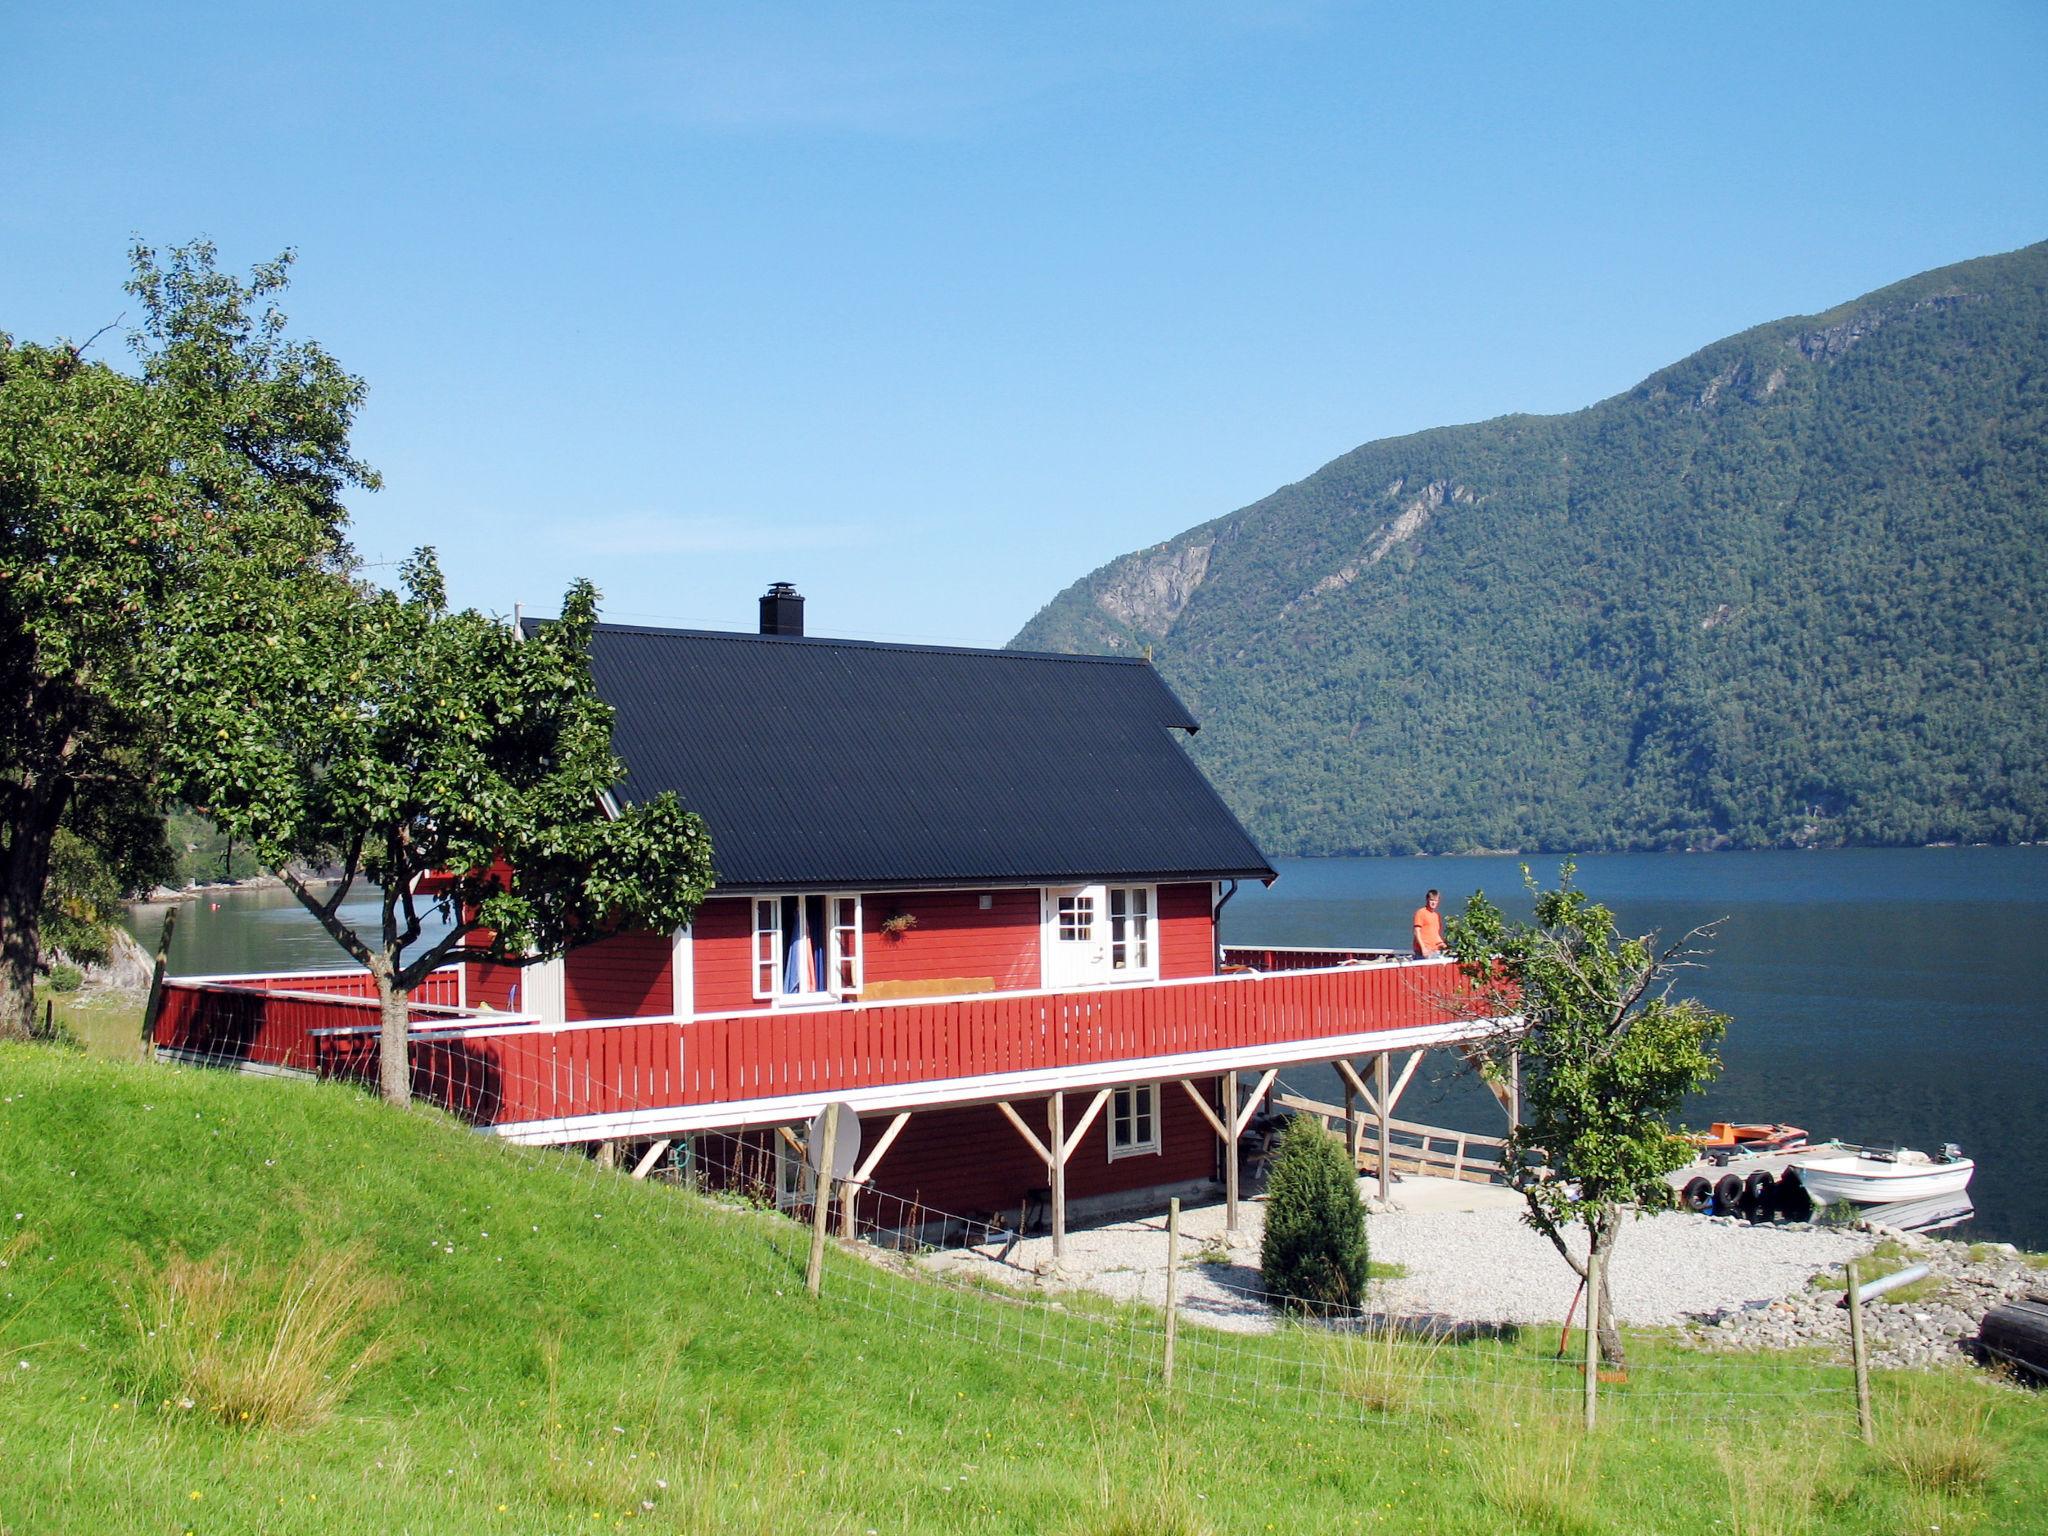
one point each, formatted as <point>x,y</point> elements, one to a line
<point>1869,1176</point>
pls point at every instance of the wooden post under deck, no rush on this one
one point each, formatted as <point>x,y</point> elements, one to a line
<point>1351,1125</point>
<point>1056,1108</point>
<point>1230,1152</point>
<point>1379,1081</point>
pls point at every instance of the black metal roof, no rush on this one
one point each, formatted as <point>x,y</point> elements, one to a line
<point>822,763</point>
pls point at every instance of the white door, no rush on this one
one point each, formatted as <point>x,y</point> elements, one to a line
<point>1076,936</point>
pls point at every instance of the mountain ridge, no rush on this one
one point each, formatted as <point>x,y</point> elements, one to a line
<point>1788,590</point>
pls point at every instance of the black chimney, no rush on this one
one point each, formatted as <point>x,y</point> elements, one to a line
<point>782,610</point>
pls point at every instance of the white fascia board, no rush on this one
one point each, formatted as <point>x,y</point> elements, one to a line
<point>955,1092</point>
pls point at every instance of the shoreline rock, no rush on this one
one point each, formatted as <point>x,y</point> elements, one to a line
<point>1934,1330</point>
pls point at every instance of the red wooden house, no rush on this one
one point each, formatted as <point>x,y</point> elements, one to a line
<point>971,894</point>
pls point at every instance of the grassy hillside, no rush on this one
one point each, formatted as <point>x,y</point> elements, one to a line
<point>548,1348</point>
<point>1791,590</point>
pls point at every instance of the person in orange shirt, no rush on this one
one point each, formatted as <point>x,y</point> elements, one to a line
<point>1429,928</point>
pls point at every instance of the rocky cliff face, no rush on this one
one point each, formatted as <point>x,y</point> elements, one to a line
<point>1789,590</point>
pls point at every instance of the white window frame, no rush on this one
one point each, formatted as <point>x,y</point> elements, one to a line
<point>843,948</point>
<point>1141,906</point>
<point>1124,1113</point>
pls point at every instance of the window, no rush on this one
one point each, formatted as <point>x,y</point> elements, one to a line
<point>1077,919</point>
<point>1130,928</point>
<point>806,947</point>
<point>1134,1120</point>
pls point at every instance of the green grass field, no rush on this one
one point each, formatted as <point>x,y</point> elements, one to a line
<point>498,1340</point>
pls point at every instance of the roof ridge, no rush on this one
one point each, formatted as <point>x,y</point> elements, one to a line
<point>924,648</point>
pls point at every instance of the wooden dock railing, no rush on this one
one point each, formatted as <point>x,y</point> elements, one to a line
<point>1411,1148</point>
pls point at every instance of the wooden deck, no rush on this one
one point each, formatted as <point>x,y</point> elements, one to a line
<point>653,1076</point>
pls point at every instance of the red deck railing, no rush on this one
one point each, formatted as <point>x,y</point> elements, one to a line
<point>276,1021</point>
<point>501,1071</point>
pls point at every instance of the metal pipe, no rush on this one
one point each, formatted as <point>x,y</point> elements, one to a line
<point>1890,1282</point>
<point>1216,923</point>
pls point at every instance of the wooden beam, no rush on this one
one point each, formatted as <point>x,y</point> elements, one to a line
<point>1056,1122</point>
<point>1230,1153</point>
<point>1202,1104</point>
<point>1401,1087</point>
<point>1379,1078</point>
<point>1026,1132</point>
<point>883,1143</point>
<point>795,1142</point>
<point>1350,1075</point>
<point>821,1201</point>
<point>646,1164</point>
<point>1074,1137</point>
<point>1251,1105</point>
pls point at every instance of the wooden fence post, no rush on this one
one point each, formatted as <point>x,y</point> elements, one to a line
<point>821,1202</point>
<point>155,1004</point>
<point>1592,1341</point>
<point>1172,1283</point>
<point>1860,1356</point>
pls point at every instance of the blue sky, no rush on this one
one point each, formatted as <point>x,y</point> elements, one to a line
<point>933,308</point>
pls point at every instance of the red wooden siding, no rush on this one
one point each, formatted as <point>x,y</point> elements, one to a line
<point>1187,932</point>
<point>721,948</point>
<point>625,976</point>
<point>971,1162</point>
<point>953,940</point>
<point>502,987</point>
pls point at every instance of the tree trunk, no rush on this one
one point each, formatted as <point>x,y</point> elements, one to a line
<point>24,871</point>
<point>394,1054</point>
<point>1611,1350</point>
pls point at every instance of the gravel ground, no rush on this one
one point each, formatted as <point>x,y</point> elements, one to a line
<point>1463,1265</point>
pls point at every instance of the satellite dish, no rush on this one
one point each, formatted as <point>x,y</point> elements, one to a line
<point>845,1143</point>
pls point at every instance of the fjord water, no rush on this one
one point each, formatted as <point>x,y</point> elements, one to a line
<point>1877,995</point>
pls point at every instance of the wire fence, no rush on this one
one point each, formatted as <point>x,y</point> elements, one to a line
<point>915,1267</point>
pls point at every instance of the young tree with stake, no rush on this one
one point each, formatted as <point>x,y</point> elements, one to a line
<point>1608,1055</point>
<point>382,732</point>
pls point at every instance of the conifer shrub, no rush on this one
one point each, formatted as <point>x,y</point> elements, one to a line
<point>1313,1258</point>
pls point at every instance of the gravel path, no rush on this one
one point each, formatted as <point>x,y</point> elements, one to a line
<point>1463,1265</point>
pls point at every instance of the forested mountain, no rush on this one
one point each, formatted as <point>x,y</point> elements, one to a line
<point>1790,590</point>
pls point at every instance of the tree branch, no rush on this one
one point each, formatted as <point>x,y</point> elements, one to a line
<point>339,931</point>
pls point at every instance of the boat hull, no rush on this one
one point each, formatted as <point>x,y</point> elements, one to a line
<point>1864,1181</point>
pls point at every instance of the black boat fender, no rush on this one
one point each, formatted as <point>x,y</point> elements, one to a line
<point>1697,1195</point>
<point>1727,1194</point>
<point>1759,1194</point>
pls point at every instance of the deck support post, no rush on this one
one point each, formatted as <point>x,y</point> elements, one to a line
<point>1230,1153</point>
<point>1056,1111</point>
<point>607,1154</point>
<point>854,1183</point>
<point>1351,1126</point>
<point>1379,1078</point>
<point>646,1164</point>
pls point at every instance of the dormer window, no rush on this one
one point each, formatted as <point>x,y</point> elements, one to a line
<point>807,948</point>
